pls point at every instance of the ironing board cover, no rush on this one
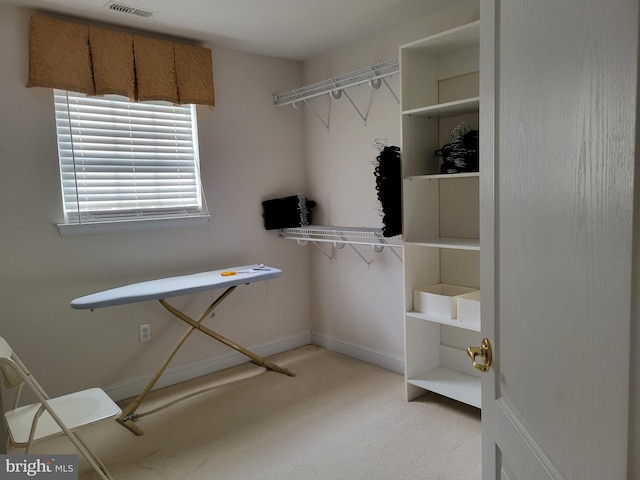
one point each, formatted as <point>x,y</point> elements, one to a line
<point>176,286</point>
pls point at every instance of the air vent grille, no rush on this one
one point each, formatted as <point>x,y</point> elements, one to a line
<point>120,7</point>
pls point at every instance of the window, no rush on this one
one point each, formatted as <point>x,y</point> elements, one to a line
<point>125,161</point>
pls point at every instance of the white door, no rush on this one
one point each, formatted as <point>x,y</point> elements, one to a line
<point>558,113</point>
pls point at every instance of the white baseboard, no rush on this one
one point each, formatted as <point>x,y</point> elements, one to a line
<point>180,373</point>
<point>388,361</point>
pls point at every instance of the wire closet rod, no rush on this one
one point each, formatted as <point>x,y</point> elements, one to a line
<point>373,74</point>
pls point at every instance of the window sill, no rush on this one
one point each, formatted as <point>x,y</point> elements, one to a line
<point>68,229</point>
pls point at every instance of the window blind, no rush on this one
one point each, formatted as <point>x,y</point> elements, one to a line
<point>126,160</point>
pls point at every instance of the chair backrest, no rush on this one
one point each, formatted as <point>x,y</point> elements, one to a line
<point>8,367</point>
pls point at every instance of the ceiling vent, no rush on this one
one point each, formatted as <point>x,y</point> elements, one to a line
<point>121,7</point>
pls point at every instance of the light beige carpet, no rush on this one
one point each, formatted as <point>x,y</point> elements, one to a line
<point>339,418</point>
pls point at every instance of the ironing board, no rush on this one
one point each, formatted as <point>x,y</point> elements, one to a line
<point>164,288</point>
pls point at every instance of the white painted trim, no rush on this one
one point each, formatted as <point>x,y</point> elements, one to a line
<point>531,445</point>
<point>388,361</point>
<point>188,371</point>
<point>132,225</point>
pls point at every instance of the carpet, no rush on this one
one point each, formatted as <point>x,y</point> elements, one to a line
<point>338,419</point>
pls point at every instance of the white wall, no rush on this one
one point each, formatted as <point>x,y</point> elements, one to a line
<point>250,151</point>
<point>357,308</point>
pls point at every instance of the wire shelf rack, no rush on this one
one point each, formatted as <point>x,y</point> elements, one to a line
<point>372,73</point>
<point>341,236</point>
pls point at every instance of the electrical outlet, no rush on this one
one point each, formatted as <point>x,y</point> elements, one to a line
<point>145,332</point>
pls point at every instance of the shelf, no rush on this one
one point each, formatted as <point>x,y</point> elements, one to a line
<point>474,326</point>
<point>458,107</point>
<point>441,176</point>
<point>443,43</point>
<point>450,383</point>
<point>341,235</point>
<point>441,218</point>
<point>371,74</point>
<point>448,242</point>
<point>374,75</point>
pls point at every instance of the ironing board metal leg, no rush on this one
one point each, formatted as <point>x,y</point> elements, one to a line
<point>196,325</point>
<point>127,415</point>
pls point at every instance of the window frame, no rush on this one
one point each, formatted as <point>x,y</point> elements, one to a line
<point>71,120</point>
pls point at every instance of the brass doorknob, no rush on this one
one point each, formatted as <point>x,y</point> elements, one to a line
<point>484,351</point>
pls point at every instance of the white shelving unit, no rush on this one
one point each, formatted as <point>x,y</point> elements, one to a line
<point>441,244</point>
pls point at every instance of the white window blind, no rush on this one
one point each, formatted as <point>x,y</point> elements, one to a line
<point>122,160</point>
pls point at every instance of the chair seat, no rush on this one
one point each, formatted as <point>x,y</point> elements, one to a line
<point>75,410</point>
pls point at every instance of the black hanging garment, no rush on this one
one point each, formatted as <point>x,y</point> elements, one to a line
<point>388,175</point>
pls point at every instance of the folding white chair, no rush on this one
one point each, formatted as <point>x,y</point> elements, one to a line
<point>52,416</point>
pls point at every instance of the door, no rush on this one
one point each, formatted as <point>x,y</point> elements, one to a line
<point>558,89</point>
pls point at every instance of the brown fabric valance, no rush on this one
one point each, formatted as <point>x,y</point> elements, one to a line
<point>112,62</point>
<point>98,61</point>
<point>155,69</point>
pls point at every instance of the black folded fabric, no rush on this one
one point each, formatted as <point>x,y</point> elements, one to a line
<point>287,212</point>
